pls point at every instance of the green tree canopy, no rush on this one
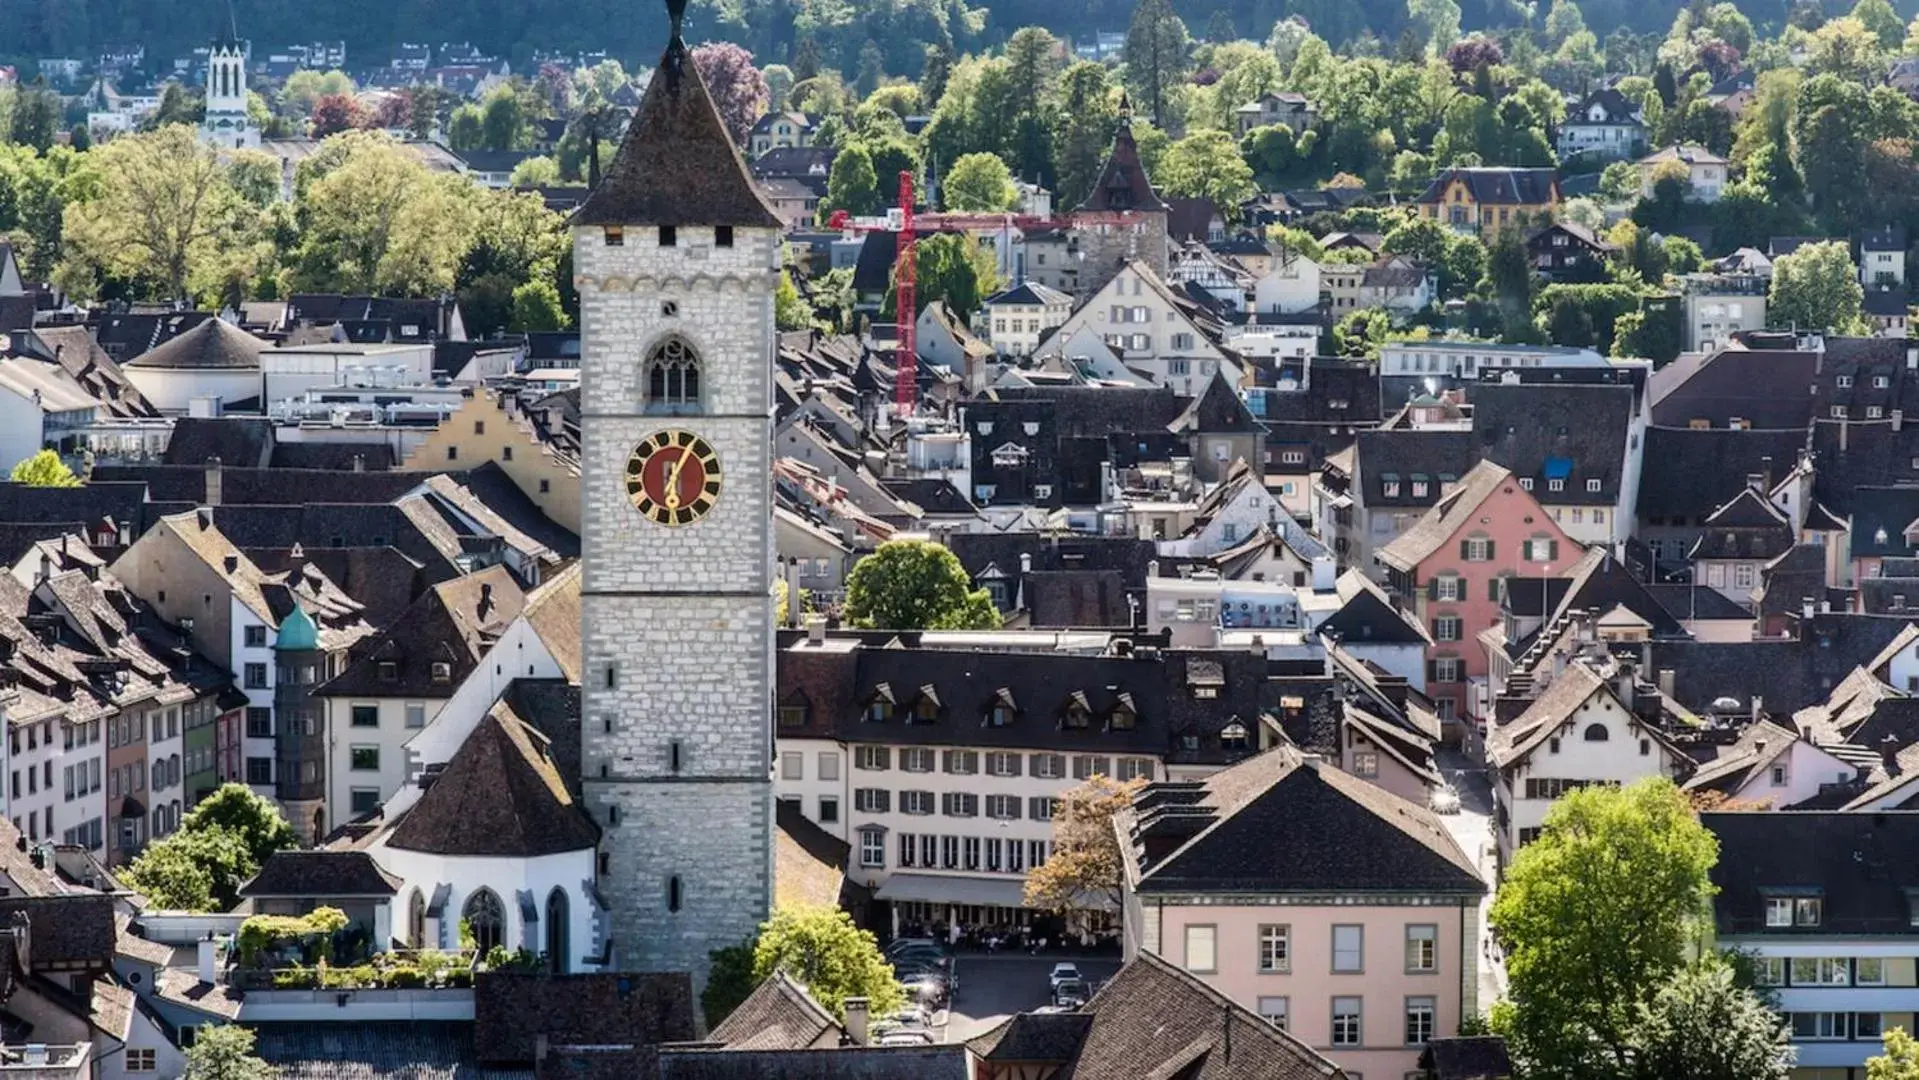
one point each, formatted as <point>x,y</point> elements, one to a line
<point>237,809</point>
<point>1702,1025</point>
<point>44,469</point>
<point>1596,915</point>
<point>1899,1062</point>
<point>1816,288</point>
<point>1157,57</point>
<point>225,1052</point>
<point>916,585</point>
<point>979,183</point>
<point>819,947</point>
<point>852,186</point>
<point>1207,164</point>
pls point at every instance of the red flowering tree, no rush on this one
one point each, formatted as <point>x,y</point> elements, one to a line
<point>738,88</point>
<point>335,113</point>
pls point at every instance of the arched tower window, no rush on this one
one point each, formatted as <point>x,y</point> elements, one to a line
<point>673,379</point>
<point>416,919</point>
<point>556,931</point>
<point>486,918</point>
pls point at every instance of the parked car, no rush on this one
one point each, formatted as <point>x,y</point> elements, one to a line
<point>902,944</point>
<point>1070,993</point>
<point>1061,973</point>
<point>907,1037</point>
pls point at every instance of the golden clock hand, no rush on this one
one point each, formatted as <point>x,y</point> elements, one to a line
<point>672,499</point>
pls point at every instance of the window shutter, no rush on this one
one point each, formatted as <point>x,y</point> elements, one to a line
<point>886,757</point>
<point>1432,672</point>
<point>946,803</point>
<point>1432,588</point>
<point>885,800</point>
<point>1489,550</point>
<point>1552,550</point>
<point>1465,551</point>
<point>1014,759</point>
<point>946,761</point>
<point>1012,806</point>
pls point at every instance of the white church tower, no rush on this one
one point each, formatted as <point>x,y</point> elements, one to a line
<point>676,256</point>
<point>226,124</point>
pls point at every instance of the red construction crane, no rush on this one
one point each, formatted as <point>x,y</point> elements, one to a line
<point>905,311</point>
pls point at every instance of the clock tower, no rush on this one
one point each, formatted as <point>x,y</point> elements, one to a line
<point>676,256</point>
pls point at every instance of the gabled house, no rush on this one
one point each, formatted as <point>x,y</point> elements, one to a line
<point>1448,569</point>
<point>1276,109</point>
<point>1882,257</point>
<point>1152,330</point>
<point>1017,318</point>
<point>780,130</point>
<point>1484,200</point>
<point>1706,173</point>
<point>1737,541</point>
<point>1566,251</point>
<point>1771,766</point>
<point>1604,126</point>
<point>1368,953</point>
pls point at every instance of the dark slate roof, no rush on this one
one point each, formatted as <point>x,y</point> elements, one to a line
<point>1154,1020</point>
<point>511,1010</point>
<point>1033,1037</point>
<point>1190,219</point>
<point>677,165</point>
<point>332,456</point>
<point>375,1050</point>
<point>94,502</point>
<point>130,334</point>
<point>1496,185</point>
<point>1789,675</point>
<point>1261,827</point>
<point>1218,410</point>
<point>1746,527</point>
<point>1539,429</point>
<point>453,623</point>
<point>947,1062</point>
<point>1619,109</point>
<point>552,707</point>
<point>1769,388</point>
<point>1467,1057</point>
<point>778,1015</point>
<point>1887,509</point>
<point>1853,457</point>
<point>932,494</point>
<point>1368,617</point>
<point>501,795</point>
<point>1402,454</point>
<point>1123,184</point>
<point>237,441</point>
<point>1884,238</point>
<point>1860,865</point>
<point>16,313</point>
<point>1688,602</point>
<point>1885,303</point>
<point>213,345</point>
<point>187,483</point>
<point>1716,465</point>
<point>66,930</point>
<point>309,874</point>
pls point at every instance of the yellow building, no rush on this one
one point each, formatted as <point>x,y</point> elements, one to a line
<point>484,430</point>
<point>1486,200</point>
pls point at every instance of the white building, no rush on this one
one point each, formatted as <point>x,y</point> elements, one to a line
<point>1706,172</point>
<point>215,362</point>
<point>1290,287</point>
<point>226,124</point>
<point>1015,319</point>
<point>289,373</point>
<point>1606,126</point>
<point>1152,332</point>
<point>1579,732</point>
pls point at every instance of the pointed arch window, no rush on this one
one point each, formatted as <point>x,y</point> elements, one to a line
<point>673,379</point>
<point>486,918</point>
<point>416,919</point>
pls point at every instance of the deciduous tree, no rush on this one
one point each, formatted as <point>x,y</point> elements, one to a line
<point>1816,288</point>
<point>378,221</point>
<point>225,1052</point>
<point>916,585</point>
<point>822,949</point>
<point>979,183</point>
<point>44,469</point>
<point>852,185</point>
<point>1595,916</point>
<point>1702,1025</point>
<point>1086,859</point>
<point>1899,1062</point>
<point>1083,130</point>
<point>335,113</point>
<point>1207,164</point>
<point>738,88</point>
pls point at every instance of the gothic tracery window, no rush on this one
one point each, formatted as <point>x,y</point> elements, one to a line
<point>673,379</point>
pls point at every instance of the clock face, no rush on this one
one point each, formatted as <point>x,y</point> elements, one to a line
<point>673,477</point>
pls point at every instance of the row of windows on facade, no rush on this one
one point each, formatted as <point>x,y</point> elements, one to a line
<point>1043,766</point>
<point>42,777</point>
<point>1822,971</point>
<point>668,236</point>
<point>976,854</point>
<point>1838,1026</point>
<point>1274,942</point>
<point>1075,712</point>
<point>368,716</point>
<point>1348,1026</point>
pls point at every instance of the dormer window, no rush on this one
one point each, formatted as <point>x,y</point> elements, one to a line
<point>879,708</point>
<point>1233,736</point>
<point>389,671</point>
<point>1000,711</point>
<point>442,671</point>
<point>1123,717</point>
<point>1077,714</point>
<point>927,709</point>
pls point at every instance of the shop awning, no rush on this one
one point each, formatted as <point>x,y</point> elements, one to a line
<point>939,889</point>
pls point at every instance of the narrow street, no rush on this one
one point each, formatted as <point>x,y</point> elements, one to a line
<point>1472,828</point>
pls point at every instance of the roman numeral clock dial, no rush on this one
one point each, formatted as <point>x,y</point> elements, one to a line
<point>673,477</point>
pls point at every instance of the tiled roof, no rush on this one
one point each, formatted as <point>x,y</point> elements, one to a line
<point>1398,457</point>
<point>1856,863</point>
<point>375,1050</point>
<point>946,1062</point>
<point>1733,767</point>
<point>1768,388</point>
<point>1123,184</point>
<point>1577,433</point>
<point>454,623</point>
<point>1263,826</point>
<point>67,930</point>
<point>501,794</point>
<point>1033,1037</point>
<point>1454,509</point>
<point>677,165</point>
<point>1718,461</point>
<point>1497,186</point>
<point>778,1015</point>
<point>1467,1057</point>
<point>1154,1020</point>
<point>238,441</point>
<point>554,611</point>
<point>213,345</point>
<point>307,874</point>
<point>627,1009</point>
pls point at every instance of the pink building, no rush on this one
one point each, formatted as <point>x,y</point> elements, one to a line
<point>1336,910</point>
<point>1450,567</point>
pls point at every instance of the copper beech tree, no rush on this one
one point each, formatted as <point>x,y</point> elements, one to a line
<point>1085,863</point>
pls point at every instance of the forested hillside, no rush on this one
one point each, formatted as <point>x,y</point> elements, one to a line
<point>834,31</point>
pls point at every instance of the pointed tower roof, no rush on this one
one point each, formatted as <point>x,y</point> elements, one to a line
<point>1123,183</point>
<point>677,165</point>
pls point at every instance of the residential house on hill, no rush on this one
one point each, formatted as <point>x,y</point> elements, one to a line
<point>1706,173</point>
<point>1365,956</point>
<point>1483,200</point>
<point>1566,251</point>
<point>1276,109</point>
<point>1604,126</point>
<point>1137,327</point>
<point>780,130</point>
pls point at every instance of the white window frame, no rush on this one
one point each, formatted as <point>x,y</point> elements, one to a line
<point>1202,948</point>
<point>1275,949</point>
<point>1352,953</point>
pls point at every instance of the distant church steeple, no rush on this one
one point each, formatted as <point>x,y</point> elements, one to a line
<point>226,124</point>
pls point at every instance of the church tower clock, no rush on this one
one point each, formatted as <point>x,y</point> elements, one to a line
<point>676,256</point>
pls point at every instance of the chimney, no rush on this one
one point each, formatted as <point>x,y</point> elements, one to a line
<point>359,463</point>
<point>486,597</point>
<point>21,927</point>
<point>856,1019</point>
<point>816,630</point>
<point>213,482</point>
<point>1758,707</point>
<point>232,564</point>
<point>1806,607</point>
<point>1757,482</point>
<point>1912,358</point>
<point>1665,681</point>
<point>539,1048</point>
<point>1152,568</point>
<point>1889,754</point>
<point>1765,470</point>
<point>209,951</point>
<point>1026,562</point>
<point>1898,419</point>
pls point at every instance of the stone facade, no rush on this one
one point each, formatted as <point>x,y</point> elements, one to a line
<point>1105,248</point>
<point>677,627</point>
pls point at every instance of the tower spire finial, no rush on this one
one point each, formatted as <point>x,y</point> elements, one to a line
<point>676,10</point>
